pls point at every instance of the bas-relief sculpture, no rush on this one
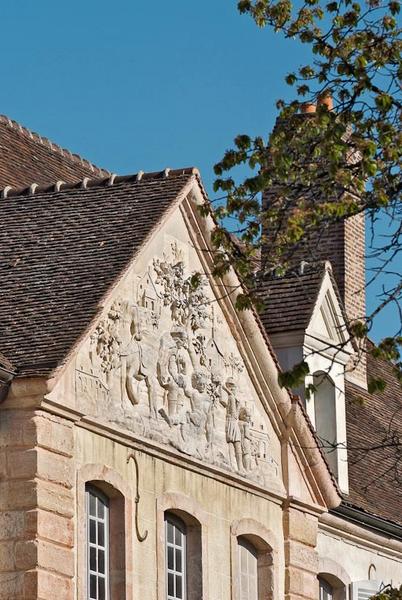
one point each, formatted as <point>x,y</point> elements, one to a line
<point>157,364</point>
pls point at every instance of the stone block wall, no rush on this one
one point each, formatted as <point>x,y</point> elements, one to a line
<point>44,465</point>
<point>301,558</point>
<point>36,505</point>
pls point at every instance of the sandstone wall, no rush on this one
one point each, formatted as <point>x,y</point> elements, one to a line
<point>36,505</point>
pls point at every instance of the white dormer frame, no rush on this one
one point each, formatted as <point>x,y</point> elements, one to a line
<point>327,349</point>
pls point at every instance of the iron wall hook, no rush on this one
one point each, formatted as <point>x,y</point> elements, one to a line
<point>141,538</point>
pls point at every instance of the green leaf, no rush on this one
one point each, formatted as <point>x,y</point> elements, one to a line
<point>294,377</point>
<point>244,6</point>
<point>375,385</point>
<point>291,79</point>
<point>332,7</point>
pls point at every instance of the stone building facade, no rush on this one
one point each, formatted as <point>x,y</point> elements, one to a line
<point>146,448</point>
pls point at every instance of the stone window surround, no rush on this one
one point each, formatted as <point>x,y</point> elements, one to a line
<point>265,543</point>
<point>177,545</point>
<point>189,511</point>
<point>195,519</point>
<point>336,576</point>
<point>119,494</point>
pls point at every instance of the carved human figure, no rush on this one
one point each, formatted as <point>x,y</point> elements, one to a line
<point>200,400</point>
<point>246,440</point>
<point>233,435</point>
<point>174,366</point>
<point>141,359</point>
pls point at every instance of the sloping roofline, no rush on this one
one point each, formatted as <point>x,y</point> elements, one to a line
<point>144,199</point>
<point>44,141</point>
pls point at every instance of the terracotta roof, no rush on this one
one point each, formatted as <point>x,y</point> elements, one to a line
<point>60,253</point>
<point>375,475</point>
<point>289,301</point>
<point>26,157</point>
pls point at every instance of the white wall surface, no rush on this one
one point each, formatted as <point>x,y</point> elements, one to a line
<point>356,559</point>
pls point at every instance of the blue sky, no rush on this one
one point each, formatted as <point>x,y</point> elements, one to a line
<point>142,86</point>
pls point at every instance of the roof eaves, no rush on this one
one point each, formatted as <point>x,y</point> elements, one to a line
<point>86,183</point>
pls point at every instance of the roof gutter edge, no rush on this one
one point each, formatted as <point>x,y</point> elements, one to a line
<point>377,524</point>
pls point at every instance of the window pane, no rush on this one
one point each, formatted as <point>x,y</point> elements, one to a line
<point>101,588</point>
<point>92,559</point>
<point>248,570</point>
<point>101,534</point>
<point>178,541</point>
<point>101,561</point>
<point>92,531</point>
<point>92,505</point>
<point>326,591</point>
<point>101,510</point>
<point>178,560</point>
<point>170,584</point>
<point>179,586</point>
<point>92,589</point>
<point>252,586</point>
<point>170,558</point>
<point>170,533</point>
<point>244,587</point>
<point>243,560</point>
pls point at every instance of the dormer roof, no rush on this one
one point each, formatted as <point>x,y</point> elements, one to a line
<point>290,301</point>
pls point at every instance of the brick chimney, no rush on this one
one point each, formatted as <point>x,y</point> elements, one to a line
<point>343,245</point>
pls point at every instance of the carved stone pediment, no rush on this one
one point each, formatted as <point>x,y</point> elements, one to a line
<point>160,364</point>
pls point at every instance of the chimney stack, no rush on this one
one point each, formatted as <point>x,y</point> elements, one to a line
<point>343,245</point>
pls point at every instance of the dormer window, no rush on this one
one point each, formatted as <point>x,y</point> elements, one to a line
<point>325,417</point>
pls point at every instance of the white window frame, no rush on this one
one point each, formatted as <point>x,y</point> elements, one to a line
<point>179,525</point>
<point>326,590</point>
<point>251,551</point>
<point>100,497</point>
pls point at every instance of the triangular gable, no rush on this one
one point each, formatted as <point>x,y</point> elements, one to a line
<point>327,326</point>
<point>177,366</point>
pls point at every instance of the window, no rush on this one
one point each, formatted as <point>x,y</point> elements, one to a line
<point>326,590</point>
<point>253,573</point>
<point>176,558</point>
<point>97,544</point>
<point>248,562</point>
<point>325,418</point>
